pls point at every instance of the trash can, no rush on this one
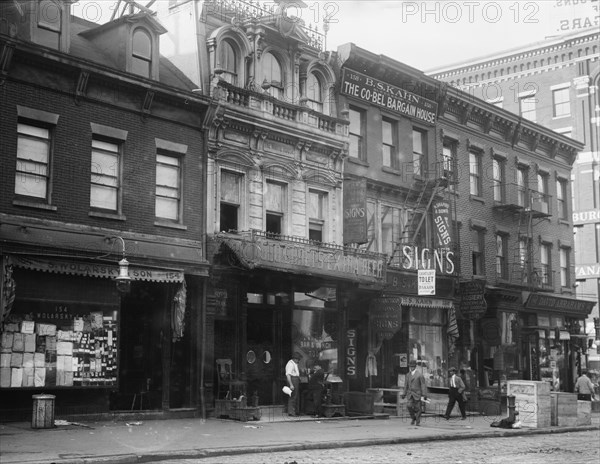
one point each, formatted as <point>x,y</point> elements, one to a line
<point>43,412</point>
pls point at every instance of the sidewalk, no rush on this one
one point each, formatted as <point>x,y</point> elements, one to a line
<point>145,441</point>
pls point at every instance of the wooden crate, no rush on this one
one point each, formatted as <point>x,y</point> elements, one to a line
<point>584,412</point>
<point>532,401</point>
<point>563,409</point>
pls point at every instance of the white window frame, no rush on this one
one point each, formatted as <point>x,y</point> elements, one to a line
<point>284,204</point>
<point>241,211</point>
<point>322,221</point>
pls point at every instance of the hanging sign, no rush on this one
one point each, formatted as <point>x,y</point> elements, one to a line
<point>472,299</point>
<point>355,211</point>
<point>426,281</point>
<point>441,219</point>
<point>385,316</point>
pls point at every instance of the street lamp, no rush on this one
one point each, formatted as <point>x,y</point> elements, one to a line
<point>123,280</point>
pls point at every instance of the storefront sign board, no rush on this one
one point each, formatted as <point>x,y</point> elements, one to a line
<point>388,97</point>
<point>472,299</point>
<point>355,211</point>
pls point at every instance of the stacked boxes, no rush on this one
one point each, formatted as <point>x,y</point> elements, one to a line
<point>81,352</point>
<point>532,401</point>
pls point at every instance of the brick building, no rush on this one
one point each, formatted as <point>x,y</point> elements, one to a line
<point>102,161</point>
<point>553,83</point>
<point>510,241</point>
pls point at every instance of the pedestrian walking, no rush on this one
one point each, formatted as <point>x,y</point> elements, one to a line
<point>415,389</point>
<point>584,387</point>
<point>292,374</point>
<point>455,394</point>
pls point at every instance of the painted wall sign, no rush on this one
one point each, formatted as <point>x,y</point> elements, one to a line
<point>472,299</point>
<point>587,271</point>
<point>389,97</point>
<point>586,217</point>
<point>355,211</point>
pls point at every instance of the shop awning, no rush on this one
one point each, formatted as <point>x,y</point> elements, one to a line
<point>95,269</point>
<point>423,302</point>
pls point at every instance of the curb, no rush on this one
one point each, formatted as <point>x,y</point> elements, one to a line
<point>217,452</point>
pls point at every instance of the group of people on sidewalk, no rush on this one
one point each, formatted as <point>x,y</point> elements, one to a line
<point>415,391</point>
<point>316,385</point>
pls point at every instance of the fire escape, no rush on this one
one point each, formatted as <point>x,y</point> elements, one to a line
<point>417,204</point>
<point>529,268</point>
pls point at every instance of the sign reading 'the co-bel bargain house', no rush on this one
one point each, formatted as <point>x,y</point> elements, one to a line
<point>390,97</point>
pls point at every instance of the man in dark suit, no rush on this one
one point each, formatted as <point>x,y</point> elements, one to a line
<point>415,388</point>
<point>455,394</point>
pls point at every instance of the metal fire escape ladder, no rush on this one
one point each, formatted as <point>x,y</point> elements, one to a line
<point>417,211</point>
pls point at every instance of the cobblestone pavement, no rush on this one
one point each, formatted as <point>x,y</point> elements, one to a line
<point>559,448</point>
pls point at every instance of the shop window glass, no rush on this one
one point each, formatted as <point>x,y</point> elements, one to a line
<point>426,344</point>
<point>315,336</point>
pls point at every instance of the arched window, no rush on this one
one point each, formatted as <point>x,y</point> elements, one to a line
<point>272,79</point>
<point>314,92</point>
<point>141,59</point>
<point>228,62</point>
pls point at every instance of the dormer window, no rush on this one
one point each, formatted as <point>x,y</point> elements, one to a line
<point>272,78</point>
<point>141,59</point>
<point>49,24</point>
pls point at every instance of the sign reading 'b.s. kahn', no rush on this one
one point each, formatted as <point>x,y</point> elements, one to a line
<point>389,97</point>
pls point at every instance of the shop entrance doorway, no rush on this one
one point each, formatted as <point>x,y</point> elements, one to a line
<point>264,354</point>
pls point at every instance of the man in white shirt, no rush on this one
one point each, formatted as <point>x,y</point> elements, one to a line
<point>292,374</point>
<point>457,387</point>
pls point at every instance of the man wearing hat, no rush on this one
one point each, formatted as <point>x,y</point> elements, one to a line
<point>415,388</point>
<point>457,387</point>
<point>292,374</point>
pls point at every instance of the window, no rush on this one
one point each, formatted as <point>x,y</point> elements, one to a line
<point>392,222</point>
<point>522,186</point>
<point>272,76</point>
<point>498,179</point>
<point>475,173</point>
<point>314,92</point>
<point>49,22</point>
<point>566,131</point>
<point>449,163</point>
<point>32,177</point>
<point>168,187</point>
<point>501,263</point>
<point>317,202</point>
<point>357,129</point>
<point>561,199</point>
<point>477,254</point>
<point>231,201</point>
<point>388,137</point>
<point>561,104</point>
<point>542,181</point>
<point>524,258</point>
<point>527,107</point>
<point>275,205</point>
<point>565,267</point>
<point>545,264</point>
<point>228,62</point>
<point>105,182</point>
<point>141,60</point>
<point>419,151</point>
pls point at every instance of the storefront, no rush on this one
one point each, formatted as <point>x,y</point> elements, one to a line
<point>527,336</point>
<point>270,297</point>
<point>397,325</point>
